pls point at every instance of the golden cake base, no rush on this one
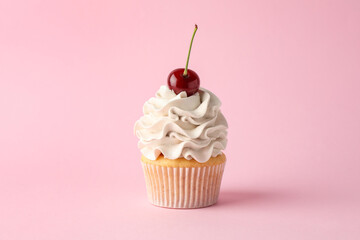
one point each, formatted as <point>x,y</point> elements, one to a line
<point>182,183</point>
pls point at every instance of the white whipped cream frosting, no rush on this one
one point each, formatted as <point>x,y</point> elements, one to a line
<point>180,126</point>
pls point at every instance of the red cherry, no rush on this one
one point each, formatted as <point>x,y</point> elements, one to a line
<point>184,79</point>
<point>178,82</point>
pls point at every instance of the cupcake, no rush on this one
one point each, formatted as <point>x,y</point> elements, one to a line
<point>182,136</point>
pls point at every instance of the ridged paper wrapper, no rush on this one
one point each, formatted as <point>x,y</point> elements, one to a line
<point>183,187</point>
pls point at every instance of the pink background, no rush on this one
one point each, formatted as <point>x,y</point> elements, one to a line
<point>75,74</point>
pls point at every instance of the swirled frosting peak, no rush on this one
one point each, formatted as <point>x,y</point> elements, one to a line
<point>179,126</point>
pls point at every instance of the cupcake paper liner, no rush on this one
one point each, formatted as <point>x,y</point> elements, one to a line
<point>183,187</point>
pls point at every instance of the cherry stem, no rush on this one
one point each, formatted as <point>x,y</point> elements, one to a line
<point>188,57</point>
